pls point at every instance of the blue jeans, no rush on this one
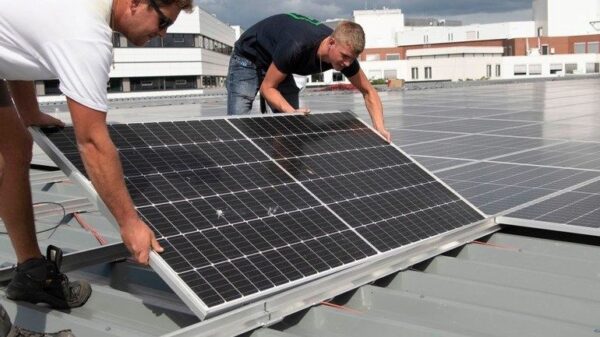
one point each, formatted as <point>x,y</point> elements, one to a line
<point>243,82</point>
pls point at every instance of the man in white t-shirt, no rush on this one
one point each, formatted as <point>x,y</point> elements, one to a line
<point>68,40</point>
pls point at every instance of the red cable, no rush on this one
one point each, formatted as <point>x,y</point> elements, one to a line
<point>90,229</point>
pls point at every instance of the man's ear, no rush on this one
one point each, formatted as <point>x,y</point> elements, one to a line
<point>134,4</point>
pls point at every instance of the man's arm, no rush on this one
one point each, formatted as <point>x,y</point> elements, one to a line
<point>372,101</point>
<point>268,89</point>
<point>104,168</point>
<point>23,94</point>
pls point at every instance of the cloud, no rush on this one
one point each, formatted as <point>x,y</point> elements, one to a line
<point>246,13</point>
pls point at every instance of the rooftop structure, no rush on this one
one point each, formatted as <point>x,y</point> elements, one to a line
<point>504,147</point>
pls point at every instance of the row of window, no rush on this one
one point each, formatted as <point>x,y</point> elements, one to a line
<point>587,47</point>
<point>470,35</point>
<point>414,73</point>
<point>377,57</point>
<point>319,78</point>
<point>555,68</point>
<point>177,41</point>
<point>488,71</point>
<point>51,87</point>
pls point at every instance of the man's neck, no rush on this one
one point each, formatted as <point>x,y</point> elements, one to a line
<point>322,50</point>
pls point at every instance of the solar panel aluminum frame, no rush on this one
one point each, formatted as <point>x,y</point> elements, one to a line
<point>171,277</point>
<point>552,226</point>
<point>272,310</point>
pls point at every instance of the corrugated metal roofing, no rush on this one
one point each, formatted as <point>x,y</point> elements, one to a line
<point>506,285</point>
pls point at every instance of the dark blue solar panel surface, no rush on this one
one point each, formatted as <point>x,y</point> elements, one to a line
<point>376,189</point>
<point>246,205</point>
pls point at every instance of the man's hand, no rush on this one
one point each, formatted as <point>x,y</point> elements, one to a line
<point>43,120</point>
<point>384,133</point>
<point>139,239</point>
<point>304,111</point>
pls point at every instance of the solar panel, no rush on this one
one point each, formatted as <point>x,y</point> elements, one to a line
<point>372,186</point>
<point>576,211</point>
<point>249,206</point>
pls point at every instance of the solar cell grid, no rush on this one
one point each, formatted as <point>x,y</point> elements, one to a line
<point>246,205</point>
<point>369,184</point>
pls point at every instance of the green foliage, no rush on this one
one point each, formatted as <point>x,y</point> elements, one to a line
<point>378,81</point>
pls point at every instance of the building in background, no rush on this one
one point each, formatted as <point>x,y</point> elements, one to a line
<point>560,40</point>
<point>193,55</point>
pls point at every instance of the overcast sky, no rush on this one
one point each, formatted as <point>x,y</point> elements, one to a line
<point>246,13</point>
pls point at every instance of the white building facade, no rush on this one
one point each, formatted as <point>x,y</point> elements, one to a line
<point>192,56</point>
<point>559,41</point>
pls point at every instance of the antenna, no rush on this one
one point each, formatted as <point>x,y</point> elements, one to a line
<point>595,24</point>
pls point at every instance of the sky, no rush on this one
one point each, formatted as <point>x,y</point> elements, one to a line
<point>246,13</point>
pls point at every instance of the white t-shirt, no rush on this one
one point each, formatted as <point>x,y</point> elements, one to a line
<point>68,40</point>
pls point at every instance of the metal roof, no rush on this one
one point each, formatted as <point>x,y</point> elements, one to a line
<point>517,284</point>
<point>505,285</point>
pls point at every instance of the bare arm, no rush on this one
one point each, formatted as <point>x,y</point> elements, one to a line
<point>268,89</point>
<point>372,101</point>
<point>103,166</point>
<point>23,94</point>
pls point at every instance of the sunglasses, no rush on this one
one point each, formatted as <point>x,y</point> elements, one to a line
<point>163,21</point>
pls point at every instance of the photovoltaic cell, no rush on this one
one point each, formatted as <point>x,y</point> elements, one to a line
<point>247,205</point>
<point>373,187</point>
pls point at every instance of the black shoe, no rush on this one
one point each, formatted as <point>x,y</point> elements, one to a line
<point>39,280</point>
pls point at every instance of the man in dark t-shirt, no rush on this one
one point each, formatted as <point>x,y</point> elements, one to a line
<point>268,53</point>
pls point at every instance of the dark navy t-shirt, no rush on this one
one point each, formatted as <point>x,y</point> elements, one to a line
<point>291,42</point>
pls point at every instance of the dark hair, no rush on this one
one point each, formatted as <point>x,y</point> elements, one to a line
<point>186,5</point>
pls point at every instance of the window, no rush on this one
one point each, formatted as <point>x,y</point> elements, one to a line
<point>570,68</point>
<point>154,43</point>
<point>187,82</point>
<point>115,85</point>
<point>373,57</point>
<point>51,87</point>
<point>498,70</point>
<point>116,40</point>
<point>471,35</point>
<point>179,40</point>
<point>428,73</point>
<point>337,76</point>
<point>535,69</point>
<point>392,57</point>
<point>147,83</point>
<point>488,71</point>
<point>592,68</point>
<point>316,78</point>
<point>509,51</point>
<point>593,47</point>
<point>555,68</point>
<point>414,71</point>
<point>390,74</point>
<point>209,81</point>
<point>450,36</point>
<point>579,48</point>
<point>545,49</point>
<point>425,39</point>
<point>520,69</point>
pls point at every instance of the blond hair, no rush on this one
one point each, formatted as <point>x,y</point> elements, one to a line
<point>350,34</point>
